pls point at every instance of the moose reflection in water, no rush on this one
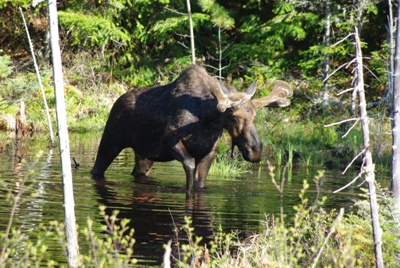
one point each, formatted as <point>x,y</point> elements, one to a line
<point>154,220</point>
<point>183,121</point>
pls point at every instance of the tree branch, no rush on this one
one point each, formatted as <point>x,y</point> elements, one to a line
<point>343,121</point>
<point>175,11</point>
<point>341,41</point>
<point>345,91</point>
<point>331,231</point>
<point>350,183</point>
<point>348,131</point>
<point>354,159</point>
<point>340,67</point>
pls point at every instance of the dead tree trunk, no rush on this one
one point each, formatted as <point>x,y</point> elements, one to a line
<point>39,80</point>
<point>325,70</point>
<point>395,180</point>
<point>69,204</point>
<point>369,167</point>
<point>389,95</point>
<point>191,31</point>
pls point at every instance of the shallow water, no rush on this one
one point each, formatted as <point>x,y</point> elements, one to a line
<point>158,204</point>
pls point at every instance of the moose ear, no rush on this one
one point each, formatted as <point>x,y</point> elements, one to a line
<point>228,99</point>
<point>218,91</point>
<point>278,96</point>
<point>252,89</point>
<point>226,91</point>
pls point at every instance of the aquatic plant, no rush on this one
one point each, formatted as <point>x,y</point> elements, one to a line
<point>225,166</point>
<point>312,237</point>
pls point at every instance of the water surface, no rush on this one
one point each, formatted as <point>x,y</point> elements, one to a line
<point>158,204</point>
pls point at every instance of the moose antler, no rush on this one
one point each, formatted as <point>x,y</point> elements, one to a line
<point>228,99</point>
<point>278,97</point>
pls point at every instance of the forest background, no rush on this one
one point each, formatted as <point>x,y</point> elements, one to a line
<point>109,47</point>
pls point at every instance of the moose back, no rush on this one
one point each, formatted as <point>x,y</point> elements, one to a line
<point>183,121</point>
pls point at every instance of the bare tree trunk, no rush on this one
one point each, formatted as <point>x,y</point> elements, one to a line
<point>325,70</point>
<point>369,167</point>
<point>389,95</point>
<point>191,31</point>
<point>219,53</point>
<point>395,183</point>
<point>69,204</point>
<point>39,80</point>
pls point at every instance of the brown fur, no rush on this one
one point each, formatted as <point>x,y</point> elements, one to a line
<point>179,121</point>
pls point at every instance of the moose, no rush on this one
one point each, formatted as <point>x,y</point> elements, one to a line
<point>183,121</point>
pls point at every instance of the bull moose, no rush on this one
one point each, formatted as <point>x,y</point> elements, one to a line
<point>183,121</point>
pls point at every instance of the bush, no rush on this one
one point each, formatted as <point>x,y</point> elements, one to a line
<point>312,237</point>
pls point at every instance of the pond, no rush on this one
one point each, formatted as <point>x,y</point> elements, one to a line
<point>158,204</point>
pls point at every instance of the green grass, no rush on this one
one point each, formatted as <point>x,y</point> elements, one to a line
<point>289,140</point>
<point>224,166</point>
<point>288,137</point>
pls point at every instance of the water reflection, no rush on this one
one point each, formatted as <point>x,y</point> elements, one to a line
<point>158,205</point>
<point>155,210</point>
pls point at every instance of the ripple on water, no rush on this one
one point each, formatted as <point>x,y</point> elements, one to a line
<point>156,205</point>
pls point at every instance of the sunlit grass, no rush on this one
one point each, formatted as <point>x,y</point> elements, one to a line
<point>291,141</point>
<point>225,166</point>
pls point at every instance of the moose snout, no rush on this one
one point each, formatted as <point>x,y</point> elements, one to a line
<point>254,154</point>
<point>252,150</point>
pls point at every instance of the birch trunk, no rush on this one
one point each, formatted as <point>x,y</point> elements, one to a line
<point>39,80</point>
<point>325,94</point>
<point>191,31</point>
<point>69,205</point>
<point>389,96</point>
<point>369,167</point>
<point>395,182</point>
<point>219,54</point>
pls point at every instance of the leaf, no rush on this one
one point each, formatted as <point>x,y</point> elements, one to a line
<point>92,30</point>
<point>219,15</point>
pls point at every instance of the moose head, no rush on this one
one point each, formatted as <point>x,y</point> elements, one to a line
<point>240,112</point>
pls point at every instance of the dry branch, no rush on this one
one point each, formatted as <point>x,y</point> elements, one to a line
<point>352,161</point>
<point>340,67</point>
<point>345,91</point>
<point>331,231</point>
<point>342,40</point>
<point>341,122</point>
<point>350,128</point>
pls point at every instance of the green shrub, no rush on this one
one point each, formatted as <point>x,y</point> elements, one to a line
<point>312,237</point>
<point>5,66</point>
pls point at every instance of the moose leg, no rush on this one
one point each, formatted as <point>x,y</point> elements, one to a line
<point>182,155</point>
<point>106,154</point>
<point>202,168</point>
<point>142,167</point>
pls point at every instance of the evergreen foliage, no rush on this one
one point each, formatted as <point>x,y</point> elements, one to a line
<point>91,30</point>
<point>273,38</point>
